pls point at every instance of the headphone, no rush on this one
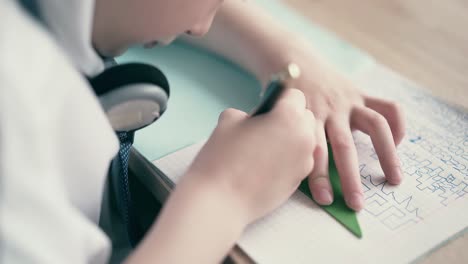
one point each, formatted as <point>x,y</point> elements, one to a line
<point>133,95</point>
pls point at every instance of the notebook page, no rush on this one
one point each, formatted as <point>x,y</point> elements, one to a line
<point>399,224</point>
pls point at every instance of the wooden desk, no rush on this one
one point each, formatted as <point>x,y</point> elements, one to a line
<point>424,40</point>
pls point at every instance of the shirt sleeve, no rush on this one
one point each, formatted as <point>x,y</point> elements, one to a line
<point>55,147</point>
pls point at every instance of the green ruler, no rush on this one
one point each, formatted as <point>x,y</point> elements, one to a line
<point>338,209</point>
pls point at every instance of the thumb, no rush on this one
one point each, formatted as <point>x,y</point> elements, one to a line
<point>231,115</point>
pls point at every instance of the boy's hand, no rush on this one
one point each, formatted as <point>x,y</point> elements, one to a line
<point>258,162</point>
<point>247,35</point>
<point>339,107</point>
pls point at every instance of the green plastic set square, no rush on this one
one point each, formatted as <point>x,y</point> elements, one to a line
<point>338,209</point>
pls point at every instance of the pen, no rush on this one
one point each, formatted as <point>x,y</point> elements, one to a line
<point>275,88</point>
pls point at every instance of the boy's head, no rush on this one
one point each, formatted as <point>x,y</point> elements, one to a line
<point>119,24</point>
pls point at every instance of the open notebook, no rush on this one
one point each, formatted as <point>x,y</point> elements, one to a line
<point>399,224</point>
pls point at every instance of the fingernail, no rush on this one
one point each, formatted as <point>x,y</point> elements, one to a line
<point>323,197</point>
<point>398,176</point>
<point>356,201</point>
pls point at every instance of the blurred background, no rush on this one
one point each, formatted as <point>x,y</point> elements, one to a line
<point>424,40</point>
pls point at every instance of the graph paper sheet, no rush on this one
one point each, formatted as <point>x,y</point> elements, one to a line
<point>399,224</point>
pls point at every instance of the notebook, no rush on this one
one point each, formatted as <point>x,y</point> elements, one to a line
<point>399,224</point>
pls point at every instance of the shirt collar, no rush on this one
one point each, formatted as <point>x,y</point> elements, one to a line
<point>71,23</point>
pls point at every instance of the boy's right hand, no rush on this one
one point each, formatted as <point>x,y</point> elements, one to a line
<point>256,163</point>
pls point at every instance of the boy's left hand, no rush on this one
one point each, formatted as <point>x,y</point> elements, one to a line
<point>339,107</point>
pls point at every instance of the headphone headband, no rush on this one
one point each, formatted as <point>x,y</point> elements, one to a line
<point>127,74</point>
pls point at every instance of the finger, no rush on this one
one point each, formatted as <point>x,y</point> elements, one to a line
<point>231,115</point>
<point>377,127</point>
<point>392,112</point>
<point>291,99</point>
<point>319,182</point>
<point>345,156</point>
<point>308,125</point>
<point>311,121</point>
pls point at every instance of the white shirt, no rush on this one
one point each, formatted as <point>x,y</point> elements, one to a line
<point>55,141</point>
<point>71,23</point>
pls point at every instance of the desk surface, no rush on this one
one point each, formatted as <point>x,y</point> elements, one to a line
<point>426,41</point>
<point>423,40</point>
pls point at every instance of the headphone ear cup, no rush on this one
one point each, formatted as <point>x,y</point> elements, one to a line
<point>133,95</point>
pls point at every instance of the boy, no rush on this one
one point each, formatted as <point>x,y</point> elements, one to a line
<point>56,144</point>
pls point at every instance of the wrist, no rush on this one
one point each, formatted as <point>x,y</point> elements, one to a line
<point>197,219</point>
<point>215,193</point>
<point>280,50</point>
<point>301,52</point>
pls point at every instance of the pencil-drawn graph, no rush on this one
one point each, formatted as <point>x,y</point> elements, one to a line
<point>428,170</point>
<point>382,202</point>
<point>431,177</point>
<point>434,159</point>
